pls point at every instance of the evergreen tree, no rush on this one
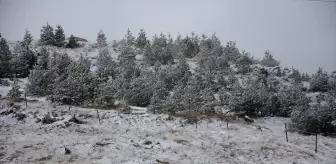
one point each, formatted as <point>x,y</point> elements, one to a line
<point>78,85</point>
<point>127,53</point>
<point>106,67</point>
<point>5,58</point>
<point>59,36</point>
<point>101,39</point>
<point>47,35</point>
<point>141,41</point>
<point>268,60</point>
<point>149,57</point>
<point>296,75</point>
<point>15,93</point>
<point>72,42</point>
<point>27,39</point>
<point>230,50</point>
<point>43,58</point>
<point>129,38</point>
<point>39,82</point>
<point>319,81</point>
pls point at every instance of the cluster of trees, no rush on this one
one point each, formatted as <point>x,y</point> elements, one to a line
<point>57,38</point>
<point>18,62</point>
<point>164,82</point>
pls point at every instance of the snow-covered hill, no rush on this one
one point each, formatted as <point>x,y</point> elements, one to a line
<point>148,138</point>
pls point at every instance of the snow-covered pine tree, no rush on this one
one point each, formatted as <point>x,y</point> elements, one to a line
<point>181,72</point>
<point>5,58</point>
<point>168,51</point>
<point>230,50</point>
<point>244,62</point>
<point>192,97</point>
<point>27,39</point>
<point>319,81</point>
<point>101,39</point>
<point>43,58</point>
<point>141,41</point>
<point>105,93</point>
<point>38,82</point>
<point>77,87</point>
<point>59,36</point>
<point>129,38</point>
<point>296,75</point>
<point>72,43</point>
<point>15,93</point>
<point>269,60</point>
<point>149,57</point>
<point>47,36</point>
<point>106,67</point>
<point>19,63</point>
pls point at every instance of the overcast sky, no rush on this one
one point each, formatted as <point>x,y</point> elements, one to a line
<point>299,33</point>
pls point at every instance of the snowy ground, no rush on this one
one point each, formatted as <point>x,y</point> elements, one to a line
<point>145,138</point>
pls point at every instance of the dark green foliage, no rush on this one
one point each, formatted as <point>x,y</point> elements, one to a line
<point>319,81</point>
<point>317,118</point>
<point>141,41</point>
<point>268,60</point>
<point>47,36</point>
<point>5,57</point>
<point>101,39</point>
<point>72,43</point>
<point>59,36</point>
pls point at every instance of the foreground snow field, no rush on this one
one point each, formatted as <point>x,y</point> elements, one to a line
<point>146,138</point>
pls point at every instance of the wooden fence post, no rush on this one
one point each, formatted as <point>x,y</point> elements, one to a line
<point>26,100</point>
<point>286,132</point>
<point>98,116</point>
<point>316,142</point>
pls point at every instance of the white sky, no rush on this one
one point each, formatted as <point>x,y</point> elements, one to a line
<point>299,33</point>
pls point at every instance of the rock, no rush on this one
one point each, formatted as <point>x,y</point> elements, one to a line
<point>76,120</point>
<point>67,151</point>
<point>38,120</point>
<point>148,142</point>
<point>102,144</point>
<point>47,119</point>
<point>7,112</point>
<point>162,162</point>
<point>67,124</point>
<point>248,119</point>
<point>20,116</point>
<point>126,110</point>
<point>54,114</point>
<point>136,145</point>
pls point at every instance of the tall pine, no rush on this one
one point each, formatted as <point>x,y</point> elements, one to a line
<point>59,36</point>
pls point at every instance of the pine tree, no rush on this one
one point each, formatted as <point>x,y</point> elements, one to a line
<point>43,58</point>
<point>77,87</point>
<point>127,54</point>
<point>268,60</point>
<point>149,57</point>
<point>319,81</point>
<point>106,67</point>
<point>5,58</point>
<point>141,41</point>
<point>27,39</point>
<point>15,93</point>
<point>101,39</point>
<point>72,42</point>
<point>129,38</point>
<point>38,82</point>
<point>19,61</point>
<point>47,35</point>
<point>59,36</point>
